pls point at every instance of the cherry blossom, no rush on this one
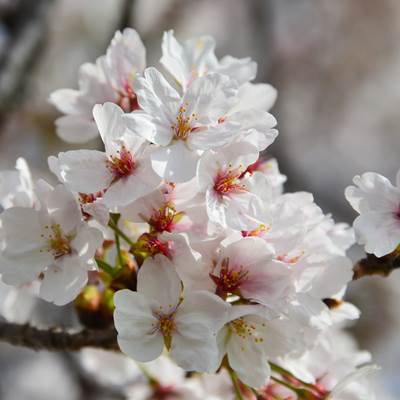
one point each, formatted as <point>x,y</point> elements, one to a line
<point>178,234</point>
<point>183,124</point>
<point>195,58</point>
<point>335,367</point>
<point>156,316</point>
<point>51,244</point>
<point>110,79</point>
<point>378,203</point>
<point>250,337</point>
<point>159,210</point>
<point>228,200</point>
<point>122,171</point>
<point>246,268</point>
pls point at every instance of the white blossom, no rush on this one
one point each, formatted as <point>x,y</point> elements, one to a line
<point>110,79</point>
<point>195,58</point>
<point>122,171</point>
<point>250,338</point>
<point>229,202</point>
<point>182,227</point>
<point>156,315</point>
<point>378,203</point>
<point>51,244</point>
<point>184,125</point>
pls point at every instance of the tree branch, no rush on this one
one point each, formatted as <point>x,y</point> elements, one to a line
<point>60,339</point>
<point>56,339</point>
<point>372,265</point>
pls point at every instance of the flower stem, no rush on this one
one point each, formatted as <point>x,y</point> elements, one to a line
<point>235,384</point>
<point>149,376</point>
<point>283,372</point>
<point>118,245</point>
<point>113,225</point>
<point>114,222</point>
<point>105,267</point>
<point>301,393</point>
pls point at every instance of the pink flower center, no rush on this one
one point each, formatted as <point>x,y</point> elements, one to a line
<point>165,218</point>
<point>184,124</point>
<point>149,245</point>
<point>227,182</point>
<point>229,279</point>
<point>127,99</point>
<point>122,165</point>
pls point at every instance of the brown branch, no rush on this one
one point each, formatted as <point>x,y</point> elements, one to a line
<point>56,339</point>
<point>372,265</point>
<point>60,339</point>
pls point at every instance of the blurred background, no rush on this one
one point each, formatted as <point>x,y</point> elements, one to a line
<point>336,65</point>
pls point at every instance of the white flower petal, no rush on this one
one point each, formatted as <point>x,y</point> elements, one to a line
<point>63,209</point>
<point>133,314</point>
<point>214,136</point>
<point>261,96</point>
<point>141,124</point>
<point>76,128</point>
<point>21,231</point>
<point>87,241</point>
<point>175,163</point>
<point>159,99</point>
<point>240,69</point>
<point>111,125</point>
<point>374,193</point>
<point>335,275</point>
<point>62,283</point>
<point>138,336</point>
<point>198,353</point>
<point>158,280</point>
<point>205,308</point>
<point>125,58</point>
<point>210,97</point>
<point>143,349</point>
<point>85,171</point>
<point>379,231</point>
<point>243,356</point>
<point>186,62</point>
<point>24,268</point>
<point>66,100</point>
<point>127,190</point>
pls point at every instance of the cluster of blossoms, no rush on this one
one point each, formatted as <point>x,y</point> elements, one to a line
<point>179,232</point>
